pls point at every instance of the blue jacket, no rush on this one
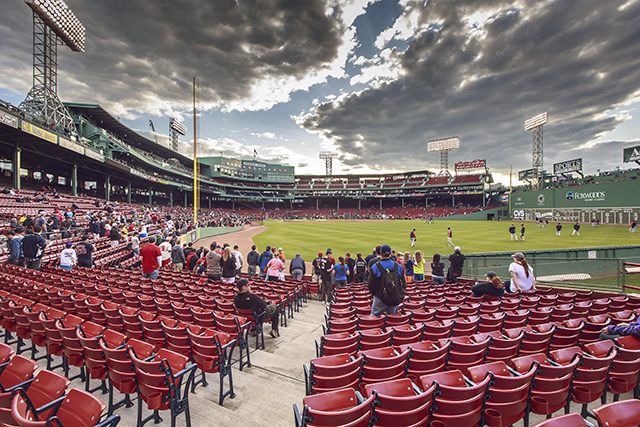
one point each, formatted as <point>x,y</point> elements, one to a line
<point>632,329</point>
<point>14,249</point>
<point>264,259</point>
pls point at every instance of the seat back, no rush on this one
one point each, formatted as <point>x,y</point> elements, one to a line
<point>19,370</point>
<point>80,408</point>
<point>624,413</point>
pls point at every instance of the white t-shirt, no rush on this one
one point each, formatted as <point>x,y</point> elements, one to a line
<point>165,248</point>
<point>68,257</point>
<point>524,282</point>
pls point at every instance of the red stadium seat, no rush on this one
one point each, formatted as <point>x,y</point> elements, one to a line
<point>336,408</point>
<point>624,413</point>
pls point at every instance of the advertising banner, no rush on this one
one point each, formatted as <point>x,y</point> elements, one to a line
<point>69,145</point>
<point>631,154</point>
<point>40,133</point>
<point>9,120</point>
<point>474,164</point>
<point>526,174</point>
<point>574,165</point>
<point>94,155</point>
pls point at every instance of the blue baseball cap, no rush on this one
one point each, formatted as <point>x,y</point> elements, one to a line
<point>385,250</point>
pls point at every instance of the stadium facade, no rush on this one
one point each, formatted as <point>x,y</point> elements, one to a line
<point>106,159</point>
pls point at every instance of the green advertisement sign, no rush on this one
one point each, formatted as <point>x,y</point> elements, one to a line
<point>615,194</point>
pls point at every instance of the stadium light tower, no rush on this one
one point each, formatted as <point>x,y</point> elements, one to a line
<point>175,130</point>
<point>53,24</point>
<point>535,124</point>
<point>444,146</point>
<point>329,156</point>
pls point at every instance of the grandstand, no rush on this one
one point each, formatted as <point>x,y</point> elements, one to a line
<point>105,159</point>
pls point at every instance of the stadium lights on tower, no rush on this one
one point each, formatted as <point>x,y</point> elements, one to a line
<point>175,130</point>
<point>329,156</point>
<point>535,124</point>
<point>53,23</point>
<point>444,146</point>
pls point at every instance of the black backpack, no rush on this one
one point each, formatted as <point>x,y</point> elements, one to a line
<point>392,291</point>
<point>361,266</point>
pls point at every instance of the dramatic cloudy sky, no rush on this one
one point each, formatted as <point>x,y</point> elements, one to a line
<point>372,80</point>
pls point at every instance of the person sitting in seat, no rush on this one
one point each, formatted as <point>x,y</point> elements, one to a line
<point>612,332</point>
<point>494,287</point>
<point>246,300</point>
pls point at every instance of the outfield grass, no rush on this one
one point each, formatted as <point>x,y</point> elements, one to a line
<point>311,237</point>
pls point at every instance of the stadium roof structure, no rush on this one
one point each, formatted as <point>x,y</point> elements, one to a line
<point>106,121</point>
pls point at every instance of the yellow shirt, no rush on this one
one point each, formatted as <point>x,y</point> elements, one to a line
<point>418,268</point>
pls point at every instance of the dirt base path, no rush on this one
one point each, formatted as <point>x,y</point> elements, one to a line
<point>244,240</point>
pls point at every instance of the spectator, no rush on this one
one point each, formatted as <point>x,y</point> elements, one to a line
<point>68,257</point>
<point>246,300</point>
<point>239,259</point>
<point>263,260</point>
<point>213,263</point>
<point>360,269</point>
<point>351,263</point>
<point>522,278</point>
<point>437,270</point>
<point>33,248</point>
<point>228,266</point>
<point>151,259</point>
<point>84,252</point>
<point>15,251</point>
<point>114,236</point>
<point>297,268</point>
<point>135,243</point>
<point>494,287</point>
<point>418,266</point>
<point>340,271</point>
<point>252,261</point>
<point>408,267</point>
<point>177,257</point>
<point>624,329</point>
<point>457,261</point>
<point>375,283</point>
<point>274,267</point>
<point>165,249</point>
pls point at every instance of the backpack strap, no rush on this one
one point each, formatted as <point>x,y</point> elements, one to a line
<point>383,271</point>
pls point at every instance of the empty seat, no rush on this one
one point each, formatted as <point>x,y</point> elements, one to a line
<point>331,373</point>
<point>458,402</point>
<point>399,403</point>
<point>336,408</point>
<point>78,408</point>
<point>163,384</point>
<point>625,413</point>
<point>212,351</point>
<point>509,393</point>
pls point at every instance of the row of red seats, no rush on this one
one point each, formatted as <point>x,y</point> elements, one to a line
<point>60,333</point>
<point>42,399</point>
<point>497,394</point>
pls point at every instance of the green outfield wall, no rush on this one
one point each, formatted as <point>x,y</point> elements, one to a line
<point>610,203</point>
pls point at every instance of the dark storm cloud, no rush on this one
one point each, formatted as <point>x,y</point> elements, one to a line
<point>142,53</point>
<point>573,58</point>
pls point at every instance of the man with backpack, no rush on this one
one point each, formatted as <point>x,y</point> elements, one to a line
<point>360,269</point>
<point>386,284</point>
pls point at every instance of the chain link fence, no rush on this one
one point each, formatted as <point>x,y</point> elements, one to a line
<point>597,274</point>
